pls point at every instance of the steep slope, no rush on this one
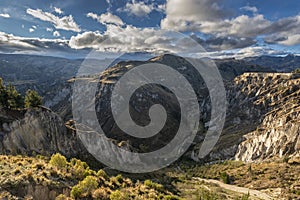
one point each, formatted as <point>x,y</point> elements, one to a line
<point>262,118</point>
<point>39,131</point>
<point>279,132</point>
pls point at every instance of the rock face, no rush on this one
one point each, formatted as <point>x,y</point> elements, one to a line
<point>38,131</point>
<point>279,133</point>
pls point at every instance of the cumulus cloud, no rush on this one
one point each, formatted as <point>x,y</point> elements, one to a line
<point>285,31</point>
<point>58,10</point>
<point>10,43</point>
<point>86,40</point>
<point>63,23</point>
<point>141,9</point>
<point>49,29</point>
<point>224,43</point>
<point>32,29</point>
<point>56,34</point>
<point>207,16</point>
<point>250,9</point>
<point>131,39</point>
<point>186,12</point>
<point>4,15</point>
<point>106,18</point>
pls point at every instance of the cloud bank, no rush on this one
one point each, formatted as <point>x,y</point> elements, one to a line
<point>64,23</point>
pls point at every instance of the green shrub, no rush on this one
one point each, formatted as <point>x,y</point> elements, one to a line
<point>58,161</point>
<point>102,173</point>
<point>170,197</point>
<point>153,185</point>
<point>207,195</point>
<point>296,71</point>
<point>118,195</point>
<point>101,194</point>
<point>62,197</point>
<point>84,188</point>
<point>32,99</point>
<point>246,196</point>
<point>80,169</point>
<point>119,178</point>
<point>225,177</point>
<point>14,100</point>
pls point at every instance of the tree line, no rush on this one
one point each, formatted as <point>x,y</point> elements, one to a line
<point>10,98</point>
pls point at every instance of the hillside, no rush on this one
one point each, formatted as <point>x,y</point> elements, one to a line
<point>261,132</point>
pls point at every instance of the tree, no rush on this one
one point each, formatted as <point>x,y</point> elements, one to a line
<point>14,99</point>
<point>296,71</point>
<point>32,99</point>
<point>3,94</point>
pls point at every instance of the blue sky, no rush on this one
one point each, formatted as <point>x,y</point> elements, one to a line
<point>248,28</point>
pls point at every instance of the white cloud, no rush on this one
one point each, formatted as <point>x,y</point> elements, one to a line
<point>5,15</point>
<point>86,40</point>
<point>250,9</point>
<point>206,16</point>
<point>56,34</point>
<point>49,29</point>
<point>141,9</point>
<point>10,43</point>
<point>161,8</point>
<point>133,39</point>
<point>285,31</point>
<point>63,23</point>
<point>106,18</point>
<point>58,11</point>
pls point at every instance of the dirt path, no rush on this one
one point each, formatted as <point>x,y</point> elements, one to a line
<point>253,193</point>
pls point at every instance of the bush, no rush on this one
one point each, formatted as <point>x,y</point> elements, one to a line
<point>58,161</point>
<point>62,197</point>
<point>207,195</point>
<point>80,169</point>
<point>170,197</point>
<point>225,177</point>
<point>102,174</point>
<point>14,100</point>
<point>101,194</point>
<point>118,195</point>
<point>32,99</point>
<point>153,185</point>
<point>84,188</point>
<point>296,71</point>
<point>246,196</point>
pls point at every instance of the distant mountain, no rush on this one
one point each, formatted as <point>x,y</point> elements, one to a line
<point>280,64</point>
<point>36,72</point>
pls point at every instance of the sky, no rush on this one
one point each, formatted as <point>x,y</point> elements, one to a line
<point>224,28</point>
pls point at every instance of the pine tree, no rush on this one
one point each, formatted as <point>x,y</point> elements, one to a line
<point>32,99</point>
<point>14,99</point>
<point>3,94</point>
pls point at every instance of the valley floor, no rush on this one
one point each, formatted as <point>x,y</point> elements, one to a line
<point>56,178</point>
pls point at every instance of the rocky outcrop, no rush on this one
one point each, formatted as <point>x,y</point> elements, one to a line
<point>39,131</point>
<point>279,133</point>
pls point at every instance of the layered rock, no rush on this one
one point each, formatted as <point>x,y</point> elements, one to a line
<point>38,131</point>
<point>279,133</point>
